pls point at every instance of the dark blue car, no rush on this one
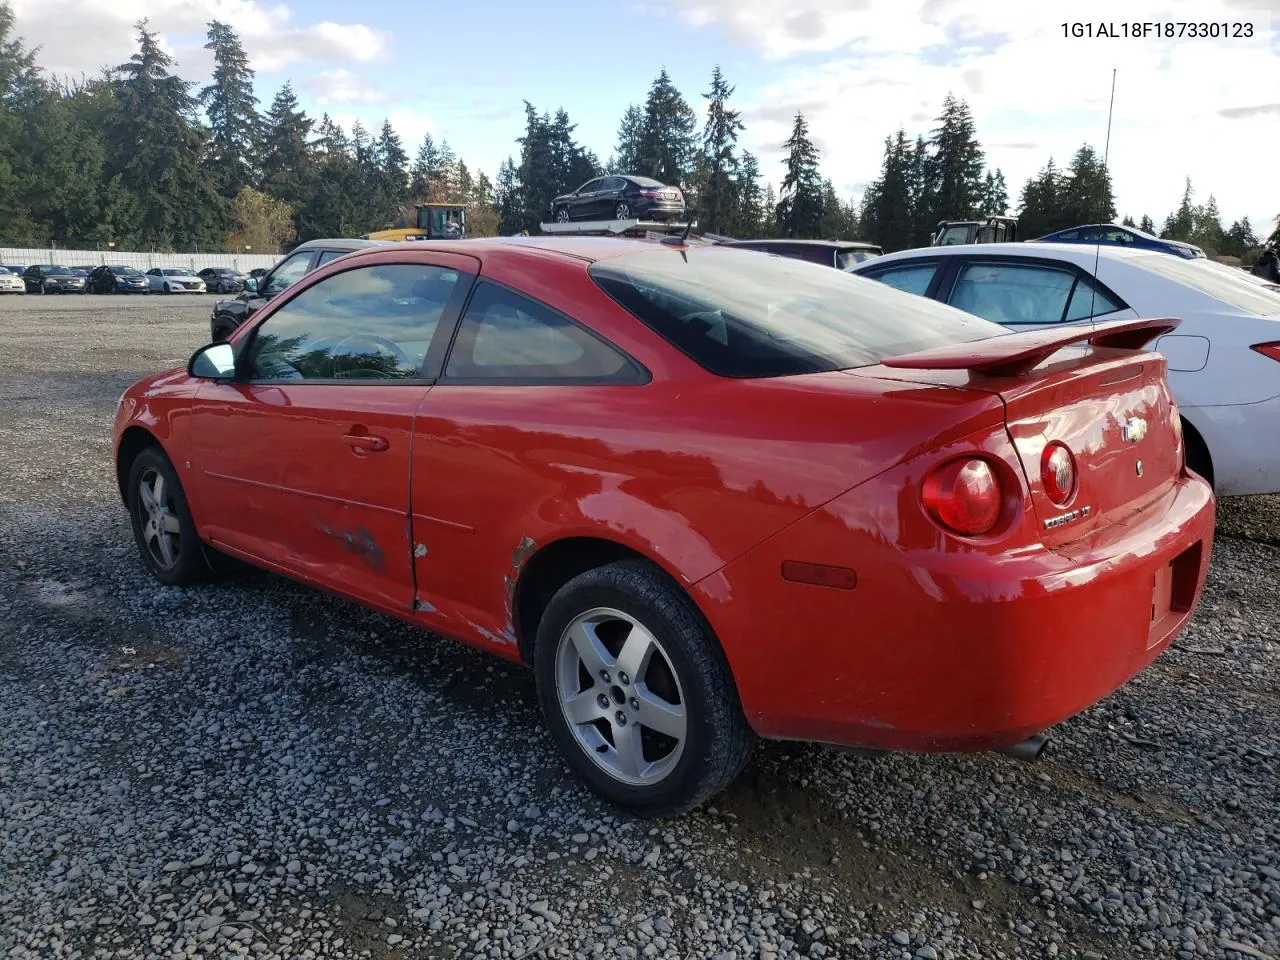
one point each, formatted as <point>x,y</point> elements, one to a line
<point>1118,236</point>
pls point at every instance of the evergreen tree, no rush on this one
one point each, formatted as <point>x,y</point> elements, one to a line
<point>888,206</point>
<point>719,136</point>
<point>231,107</point>
<point>749,201</point>
<point>667,142</point>
<point>155,147</point>
<point>1128,222</point>
<point>626,155</point>
<point>424,165</point>
<point>1208,233</point>
<point>955,164</point>
<point>333,209</point>
<point>1041,203</point>
<point>799,211</point>
<point>507,198</point>
<point>1181,224</point>
<point>1147,225</point>
<point>284,155</point>
<point>995,194</point>
<point>923,191</point>
<point>1086,196</point>
<point>393,165</point>
<point>839,218</point>
<point>1240,239</point>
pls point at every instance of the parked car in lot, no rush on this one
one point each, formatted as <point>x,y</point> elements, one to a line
<point>51,278</point>
<point>116,278</point>
<point>11,283</point>
<point>620,198</point>
<point>705,494</point>
<point>1223,367</point>
<point>174,280</point>
<point>13,268</point>
<point>305,257</point>
<point>222,279</point>
<point>1115,235</point>
<point>841,254</point>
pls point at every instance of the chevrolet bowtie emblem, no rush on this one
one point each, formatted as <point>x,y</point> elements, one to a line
<point>1135,428</point>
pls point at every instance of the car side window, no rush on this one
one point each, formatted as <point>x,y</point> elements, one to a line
<point>1089,301</point>
<point>613,183</point>
<point>1009,293</point>
<point>288,273</point>
<point>914,278</point>
<point>370,323</point>
<point>506,336</point>
<point>327,255</point>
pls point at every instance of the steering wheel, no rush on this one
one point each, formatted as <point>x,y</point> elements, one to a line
<point>390,345</point>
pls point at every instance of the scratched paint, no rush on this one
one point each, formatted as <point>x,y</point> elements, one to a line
<point>519,557</point>
<point>360,542</point>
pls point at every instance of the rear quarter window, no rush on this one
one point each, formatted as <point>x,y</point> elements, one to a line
<point>741,315</point>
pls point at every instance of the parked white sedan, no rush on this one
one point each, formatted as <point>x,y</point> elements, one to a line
<point>1224,359</point>
<point>174,280</point>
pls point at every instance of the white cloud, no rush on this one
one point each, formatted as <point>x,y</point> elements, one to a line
<point>81,36</point>
<point>342,87</point>
<point>858,70</point>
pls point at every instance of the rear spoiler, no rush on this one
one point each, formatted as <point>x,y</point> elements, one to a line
<point>1017,353</point>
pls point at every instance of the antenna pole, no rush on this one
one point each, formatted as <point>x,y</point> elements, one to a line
<point>1106,176</point>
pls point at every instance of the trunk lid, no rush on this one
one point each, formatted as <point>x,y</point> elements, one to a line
<point>1107,402</point>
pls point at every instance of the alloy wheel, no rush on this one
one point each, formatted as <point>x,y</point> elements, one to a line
<point>562,215</point>
<point>622,212</point>
<point>620,696</point>
<point>161,532</point>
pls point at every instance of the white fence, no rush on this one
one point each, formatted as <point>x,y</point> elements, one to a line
<point>25,256</point>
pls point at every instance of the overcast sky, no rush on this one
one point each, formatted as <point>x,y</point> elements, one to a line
<point>858,69</point>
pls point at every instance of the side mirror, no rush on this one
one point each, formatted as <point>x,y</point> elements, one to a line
<point>217,361</point>
<point>251,284</point>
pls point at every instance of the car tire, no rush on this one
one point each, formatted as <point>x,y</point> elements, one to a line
<point>222,329</point>
<point>615,611</point>
<point>622,211</point>
<point>162,525</point>
<point>562,215</point>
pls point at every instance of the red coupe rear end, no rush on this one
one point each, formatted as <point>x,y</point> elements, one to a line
<point>1031,567</point>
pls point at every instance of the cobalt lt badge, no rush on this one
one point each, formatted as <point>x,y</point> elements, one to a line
<point>1135,428</point>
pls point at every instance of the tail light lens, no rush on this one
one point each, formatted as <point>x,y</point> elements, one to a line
<point>964,496</point>
<point>1271,350</point>
<point>648,193</point>
<point>1058,472</point>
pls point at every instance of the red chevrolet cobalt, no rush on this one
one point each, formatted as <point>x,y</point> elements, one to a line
<point>706,495</point>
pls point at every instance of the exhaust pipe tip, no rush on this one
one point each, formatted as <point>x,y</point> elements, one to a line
<point>1027,750</point>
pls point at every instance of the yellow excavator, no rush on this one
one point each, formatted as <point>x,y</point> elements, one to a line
<point>433,221</point>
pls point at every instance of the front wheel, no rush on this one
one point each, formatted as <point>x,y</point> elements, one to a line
<point>162,524</point>
<point>636,691</point>
<point>562,214</point>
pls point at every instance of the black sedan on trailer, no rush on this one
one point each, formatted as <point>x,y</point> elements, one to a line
<point>619,198</point>
<point>115,278</point>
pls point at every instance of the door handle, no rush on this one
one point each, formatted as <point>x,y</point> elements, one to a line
<point>361,442</point>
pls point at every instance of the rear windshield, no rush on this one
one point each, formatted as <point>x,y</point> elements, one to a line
<point>646,182</point>
<point>126,272</point>
<point>1208,279</point>
<point>739,314</point>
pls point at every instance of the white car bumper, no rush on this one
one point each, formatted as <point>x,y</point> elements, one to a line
<point>1242,445</point>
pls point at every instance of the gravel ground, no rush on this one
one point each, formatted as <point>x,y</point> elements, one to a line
<point>253,769</point>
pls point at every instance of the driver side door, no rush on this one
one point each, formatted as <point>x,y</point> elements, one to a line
<point>304,458</point>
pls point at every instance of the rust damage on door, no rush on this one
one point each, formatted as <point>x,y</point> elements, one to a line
<point>519,557</point>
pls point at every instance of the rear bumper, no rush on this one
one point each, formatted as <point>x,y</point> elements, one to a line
<point>936,650</point>
<point>1243,461</point>
<point>658,209</point>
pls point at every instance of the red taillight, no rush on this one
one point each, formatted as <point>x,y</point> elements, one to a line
<point>648,193</point>
<point>1058,472</point>
<point>1271,350</point>
<point>963,495</point>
